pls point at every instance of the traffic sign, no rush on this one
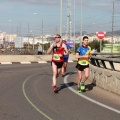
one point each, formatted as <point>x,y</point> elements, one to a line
<point>100,34</point>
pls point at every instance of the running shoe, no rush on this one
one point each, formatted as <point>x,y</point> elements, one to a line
<point>78,90</point>
<point>82,86</point>
<point>55,89</point>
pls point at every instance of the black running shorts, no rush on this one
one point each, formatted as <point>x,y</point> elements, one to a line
<point>81,67</point>
<point>58,64</point>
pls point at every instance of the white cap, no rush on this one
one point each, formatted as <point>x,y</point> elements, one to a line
<point>64,39</point>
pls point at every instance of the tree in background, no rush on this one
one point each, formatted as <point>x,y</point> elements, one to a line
<point>95,44</point>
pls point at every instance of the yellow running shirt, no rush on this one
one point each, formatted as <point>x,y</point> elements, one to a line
<point>83,51</point>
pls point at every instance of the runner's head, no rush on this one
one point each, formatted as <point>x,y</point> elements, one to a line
<point>57,38</point>
<point>64,40</point>
<point>85,41</point>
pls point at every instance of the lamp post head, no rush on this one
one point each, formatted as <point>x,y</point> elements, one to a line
<point>34,13</point>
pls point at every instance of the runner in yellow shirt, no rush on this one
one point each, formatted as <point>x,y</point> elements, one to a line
<point>83,55</point>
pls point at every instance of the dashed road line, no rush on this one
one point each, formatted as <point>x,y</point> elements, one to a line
<point>27,62</point>
<point>42,62</point>
<point>87,98</point>
<point>70,61</point>
<point>6,63</point>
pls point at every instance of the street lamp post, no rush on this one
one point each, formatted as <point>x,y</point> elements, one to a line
<point>74,25</point>
<point>70,30</point>
<point>32,36</point>
<point>33,41</point>
<point>42,37</point>
<point>61,17</point>
<point>34,33</point>
<point>81,24</point>
<point>11,26</point>
<point>112,28</point>
<point>28,36</point>
<point>20,36</point>
<point>113,15</point>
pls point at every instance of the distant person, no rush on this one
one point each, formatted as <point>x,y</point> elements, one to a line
<point>58,48</point>
<point>83,55</point>
<point>66,57</point>
<point>40,52</point>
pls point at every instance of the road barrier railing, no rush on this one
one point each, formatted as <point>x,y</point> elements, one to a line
<point>102,60</point>
<point>105,71</point>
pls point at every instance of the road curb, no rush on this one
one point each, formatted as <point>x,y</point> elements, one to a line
<point>27,62</point>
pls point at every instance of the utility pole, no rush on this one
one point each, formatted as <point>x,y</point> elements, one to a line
<point>61,17</point>
<point>81,24</point>
<point>33,41</point>
<point>112,28</point>
<point>42,37</point>
<point>28,35</point>
<point>20,36</point>
<point>74,26</point>
<point>17,30</point>
<point>56,30</point>
<point>69,22</point>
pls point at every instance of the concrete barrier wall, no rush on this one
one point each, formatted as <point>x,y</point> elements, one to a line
<point>28,58</point>
<point>106,79</point>
<point>24,58</point>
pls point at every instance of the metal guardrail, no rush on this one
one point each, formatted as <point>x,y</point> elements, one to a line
<point>100,59</point>
<point>110,54</point>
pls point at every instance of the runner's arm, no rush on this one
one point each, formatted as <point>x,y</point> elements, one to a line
<point>50,49</point>
<point>69,49</point>
<point>66,50</point>
<point>84,56</point>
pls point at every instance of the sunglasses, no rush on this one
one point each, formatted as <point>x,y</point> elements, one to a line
<point>57,37</point>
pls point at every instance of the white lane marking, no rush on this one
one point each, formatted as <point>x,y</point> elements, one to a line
<point>6,63</point>
<point>29,101</point>
<point>42,62</point>
<point>89,99</point>
<point>70,61</point>
<point>25,62</point>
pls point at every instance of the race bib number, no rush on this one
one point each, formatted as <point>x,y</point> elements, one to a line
<point>83,62</point>
<point>56,57</point>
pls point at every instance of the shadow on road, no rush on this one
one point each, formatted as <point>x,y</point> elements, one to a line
<point>89,86</point>
<point>64,86</point>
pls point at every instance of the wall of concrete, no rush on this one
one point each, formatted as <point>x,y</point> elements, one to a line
<point>28,58</point>
<point>106,79</point>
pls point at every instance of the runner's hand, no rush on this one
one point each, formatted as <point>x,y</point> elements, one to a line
<point>60,55</point>
<point>65,53</point>
<point>54,44</point>
<point>87,56</point>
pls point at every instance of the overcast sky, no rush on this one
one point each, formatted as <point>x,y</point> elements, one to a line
<point>96,15</point>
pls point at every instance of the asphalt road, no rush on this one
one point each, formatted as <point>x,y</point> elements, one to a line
<point>26,94</point>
